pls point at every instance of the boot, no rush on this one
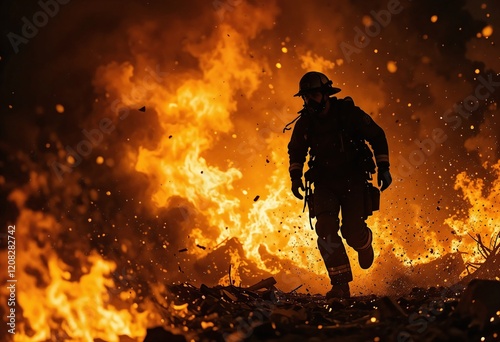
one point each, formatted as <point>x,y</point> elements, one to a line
<point>365,257</point>
<point>339,291</point>
<point>366,254</point>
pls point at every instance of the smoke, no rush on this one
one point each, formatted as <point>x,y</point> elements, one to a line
<point>216,80</point>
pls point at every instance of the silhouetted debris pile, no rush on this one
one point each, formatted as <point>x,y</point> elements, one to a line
<point>489,268</point>
<point>229,313</point>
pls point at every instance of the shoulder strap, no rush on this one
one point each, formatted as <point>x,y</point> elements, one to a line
<point>287,128</point>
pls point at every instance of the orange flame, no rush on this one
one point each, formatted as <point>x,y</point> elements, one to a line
<point>63,308</point>
<point>482,217</point>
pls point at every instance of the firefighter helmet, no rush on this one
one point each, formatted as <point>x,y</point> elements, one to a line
<point>316,81</point>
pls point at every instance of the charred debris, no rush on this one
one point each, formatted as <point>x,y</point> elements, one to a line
<point>469,310</point>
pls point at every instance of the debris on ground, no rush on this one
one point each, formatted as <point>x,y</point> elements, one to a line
<point>262,312</point>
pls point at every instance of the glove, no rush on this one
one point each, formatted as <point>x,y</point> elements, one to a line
<point>296,185</point>
<point>384,178</point>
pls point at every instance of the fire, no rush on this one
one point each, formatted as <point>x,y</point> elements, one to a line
<point>84,305</point>
<point>205,163</point>
<point>198,116</point>
<point>233,276</point>
<point>57,307</point>
<point>482,217</point>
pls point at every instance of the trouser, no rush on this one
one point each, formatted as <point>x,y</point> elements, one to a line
<point>345,196</point>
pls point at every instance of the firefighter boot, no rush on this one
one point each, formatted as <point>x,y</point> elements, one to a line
<point>366,254</point>
<point>365,257</point>
<point>339,291</point>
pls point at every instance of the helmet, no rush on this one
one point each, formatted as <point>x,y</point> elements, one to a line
<point>316,81</point>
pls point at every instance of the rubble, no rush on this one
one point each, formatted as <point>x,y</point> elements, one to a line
<point>159,334</point>
<point>263,312</point>
<point>480,302</point>
<point>490,267</point>
<point>266,283</point>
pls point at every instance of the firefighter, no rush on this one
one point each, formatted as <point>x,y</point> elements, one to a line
<point>334,133</point>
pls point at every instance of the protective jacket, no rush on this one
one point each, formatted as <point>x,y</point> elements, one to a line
<point>336,142</point>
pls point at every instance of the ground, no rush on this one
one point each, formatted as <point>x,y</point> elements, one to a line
<point>460,313</point>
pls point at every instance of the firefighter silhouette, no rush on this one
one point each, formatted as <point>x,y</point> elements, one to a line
<point>333,133</point>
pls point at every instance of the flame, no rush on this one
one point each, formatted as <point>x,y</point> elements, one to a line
<point>198,116</point>
<point>55,306</point>
<point>482,217</point>
<point>213,148</point>
<point>233,277</point>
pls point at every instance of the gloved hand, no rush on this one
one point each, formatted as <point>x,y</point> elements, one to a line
<point>296,185</point>
<point>384,178</point>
